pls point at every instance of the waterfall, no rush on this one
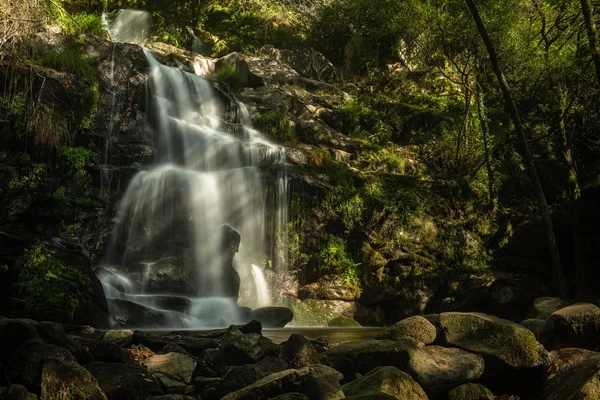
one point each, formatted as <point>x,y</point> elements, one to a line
<point>168,236</point>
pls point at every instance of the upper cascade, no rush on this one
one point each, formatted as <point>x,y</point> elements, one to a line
<point>127,26</point>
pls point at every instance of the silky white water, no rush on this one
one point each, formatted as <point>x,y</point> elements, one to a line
<point>168,237</point>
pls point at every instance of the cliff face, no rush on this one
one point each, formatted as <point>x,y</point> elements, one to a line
<point>369,236</point>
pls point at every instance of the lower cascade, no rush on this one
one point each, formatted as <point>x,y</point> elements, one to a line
<point>211,194</point>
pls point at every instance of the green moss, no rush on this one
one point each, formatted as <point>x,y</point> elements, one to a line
<point>333,260</point>
<point>229,75</point>
<point>47,286</point>
<point>343,322</point>
<point>277,126</point>
<point>71,60</point>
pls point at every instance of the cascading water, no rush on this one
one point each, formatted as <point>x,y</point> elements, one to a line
<point>170,240</point>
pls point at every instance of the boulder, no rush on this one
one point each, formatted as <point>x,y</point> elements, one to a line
<point>13,333</point>
<point>125,313</point>
<point>273,317</point>
<point>117,335</point>
<point>470,391</point>
<point>124,382</point>
<point>25,366</point>
<point>543,307</point>
<point>17,392</point>
<point>173,397</point>
<point>102,350</point>
<point>385,381</point>
<point>329,289</point>
<point>343,322</point>
<point>316,381</point>
<point>238,377</point>
<point>291,396</point>
<point>67,380</point>
<point>307,62</point>
<point>440,368</point>
<point>195,346</point>
<point>512,344</point>
<point>417,328</point>
<point>239,349</point>
<point>299,351</point>
<point>360,357</point>
<point>577,325</point>
<point>534,325</point>
<point>172,369</point>
<point>579,382</point>
<point>53,333</point>
<point>564,359</point>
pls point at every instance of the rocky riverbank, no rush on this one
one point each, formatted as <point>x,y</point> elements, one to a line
<point>458,356</point>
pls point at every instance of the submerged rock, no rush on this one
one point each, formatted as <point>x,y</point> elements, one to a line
<point>577,325</point>
<point>417,328</point>
<point>385,381</point>
<point>273,317</point>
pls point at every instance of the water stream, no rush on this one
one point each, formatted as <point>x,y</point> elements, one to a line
<point>168,240</point>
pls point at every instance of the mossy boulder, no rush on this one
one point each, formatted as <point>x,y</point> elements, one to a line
<point>577,325</point>
<point>439,368</point>
<point>343,322</point>
<point>124,382</point>
<point>470,391</point>
<point>417,328</point>
<point>543,307</point>
<point>16,392</point>
<point>535,325</point>
<point>299,351</point>
<point>387,381</point>
<point>316,381</point>
<point>67,380</point>
<point>360,357</point>
<point>512,344</point>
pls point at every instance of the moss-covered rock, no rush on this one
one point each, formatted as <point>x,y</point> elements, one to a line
<point>580,382</point>
<point>470,391</point>
<point>534,325</point>
<point>416,327</point>
<point>124,382</point>
<point>543,307</point>
<point>66,380</point>
<point>386,380</point>
<point>439,368</point>
<point>490,336</point>
<point>343,322</point>
<point>577,325</point>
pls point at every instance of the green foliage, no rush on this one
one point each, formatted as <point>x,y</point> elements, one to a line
<point>76,24</point>
<point>229,75</point>
<point>13,117</point>
<point>362,122</point>
<point>75,159</point>
<point>27,176</point>
<point>47,286</point>
<point>71,60</point>
<point>277,126</point>
<point>333,260</point>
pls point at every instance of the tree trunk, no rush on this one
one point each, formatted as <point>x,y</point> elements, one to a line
<point>574,196</point>
<point>590,26</point>
<point>557,271</point>
<point>486,146</point>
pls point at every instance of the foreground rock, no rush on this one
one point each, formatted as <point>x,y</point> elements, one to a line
<point>68,381</point>
<point>172,369</point>
<point>124,382</point>
<point>361,357</point>
<point>470,391</point>
<point>581,380</point>
<point>417,328</point>
<point>238,349</point>
<point>439,368</point>
<point>577,325</point>
<point>315,381</point>
<point>502,340</point>
<point>273,317</point>
<point>543,307</point>
<point>386,381</point>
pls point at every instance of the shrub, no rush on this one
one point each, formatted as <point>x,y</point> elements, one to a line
<point>277,126</point>
<point>229,75</point>
<point>75,159</point>
<point>49,287</point>
<point>71,60</point>
<point>333,260</point>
